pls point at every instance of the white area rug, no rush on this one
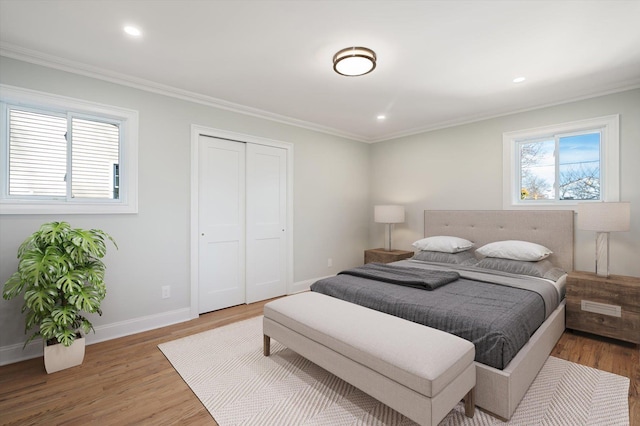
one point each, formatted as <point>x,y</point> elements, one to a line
<point>226,369</point>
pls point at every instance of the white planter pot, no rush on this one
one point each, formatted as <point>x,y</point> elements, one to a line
<point>58,357</point>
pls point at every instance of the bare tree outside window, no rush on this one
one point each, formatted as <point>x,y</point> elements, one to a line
<point>572,161</point>
<point>536,167</point>
<point>562,164</point>
<point>581,183</point>
<point>580,167</point>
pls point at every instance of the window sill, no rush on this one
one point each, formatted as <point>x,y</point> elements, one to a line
<point>20,208</point>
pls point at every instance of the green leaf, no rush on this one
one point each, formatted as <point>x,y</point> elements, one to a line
<point>71,282</point>
<point>87,299</point>
<point>42,299</point>
<point>64,315</point>
<point>66,336</point>
<point>87,244</point>
<point>33,319</point>
<point>94,271</point>
<point>54,233</point>
<point>87,326</point>
<point>49,329</point>
<point>13,286</point>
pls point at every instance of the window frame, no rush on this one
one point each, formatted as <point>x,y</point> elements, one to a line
<point>609,128</point>
<point>56,104</point>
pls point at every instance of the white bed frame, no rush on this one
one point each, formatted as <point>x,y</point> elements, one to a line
<point>500,391</point>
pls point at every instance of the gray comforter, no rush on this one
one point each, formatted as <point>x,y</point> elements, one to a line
<point>497,313</point>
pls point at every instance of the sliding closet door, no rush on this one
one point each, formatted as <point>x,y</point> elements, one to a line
<point>266,222</point>
<point>242,216</point>
<point>221,222</point>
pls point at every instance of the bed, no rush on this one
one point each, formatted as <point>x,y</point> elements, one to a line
<point>501,383</point>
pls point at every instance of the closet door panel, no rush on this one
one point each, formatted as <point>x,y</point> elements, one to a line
<point>222,237</point>
<point>266,220</point>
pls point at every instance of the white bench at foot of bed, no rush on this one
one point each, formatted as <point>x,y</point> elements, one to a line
<point>416,370</point>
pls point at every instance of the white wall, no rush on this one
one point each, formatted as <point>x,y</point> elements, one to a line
<point>461,168</point>
<point>331,205</point>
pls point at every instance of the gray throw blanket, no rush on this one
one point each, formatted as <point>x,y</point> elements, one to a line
<point>411,277</point>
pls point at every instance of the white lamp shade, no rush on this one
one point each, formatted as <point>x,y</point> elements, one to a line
<point>604,217</point>
<point>388,214</point>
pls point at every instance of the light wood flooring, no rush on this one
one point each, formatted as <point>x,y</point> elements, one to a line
<point>128,381</point>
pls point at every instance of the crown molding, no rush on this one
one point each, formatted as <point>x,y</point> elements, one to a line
<point>50,61</point>
<point>632,85</point>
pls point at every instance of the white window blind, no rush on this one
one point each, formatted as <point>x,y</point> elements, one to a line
<point>95,149</point>
<point>37,154</point>
<point>39,144</point>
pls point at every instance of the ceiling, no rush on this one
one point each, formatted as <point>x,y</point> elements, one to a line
<point>440,63</point>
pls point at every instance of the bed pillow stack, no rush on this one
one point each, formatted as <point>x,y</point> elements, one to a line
<point>444,249</point>
<point>519,257</point>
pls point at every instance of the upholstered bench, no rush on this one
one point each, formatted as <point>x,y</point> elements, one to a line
<point>416,370</point>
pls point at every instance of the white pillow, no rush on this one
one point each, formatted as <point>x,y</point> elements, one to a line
<point>515,250</point>
<point>444,244</point>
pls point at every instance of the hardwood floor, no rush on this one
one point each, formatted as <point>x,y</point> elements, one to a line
<point>128,381</point>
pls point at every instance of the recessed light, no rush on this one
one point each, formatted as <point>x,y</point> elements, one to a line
<point>519,79</point>
<point>132,31</point>
<point>381,117</point>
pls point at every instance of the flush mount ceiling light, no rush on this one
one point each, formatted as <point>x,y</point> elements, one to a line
<point>354,61</point>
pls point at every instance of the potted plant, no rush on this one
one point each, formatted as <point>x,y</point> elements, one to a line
<point>62,277</point>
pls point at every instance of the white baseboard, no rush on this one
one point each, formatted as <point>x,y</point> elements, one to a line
<point>14,353</point>
<point>305,285</point>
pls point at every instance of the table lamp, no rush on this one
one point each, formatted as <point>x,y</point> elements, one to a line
<point>389,215</point>
<point>603,218</point>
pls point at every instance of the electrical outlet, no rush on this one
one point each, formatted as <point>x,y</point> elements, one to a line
<point>166,292</point>
<point>329,263</point>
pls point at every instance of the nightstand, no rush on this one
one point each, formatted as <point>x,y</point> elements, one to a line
<point>380,255</point>
<point>605,306</point>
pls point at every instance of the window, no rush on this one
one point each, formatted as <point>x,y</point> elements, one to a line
<point>562,165</point>
<point>61,155</point>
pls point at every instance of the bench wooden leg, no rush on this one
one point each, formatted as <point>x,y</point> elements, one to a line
<point>267,345</point>
<point>470,403</point>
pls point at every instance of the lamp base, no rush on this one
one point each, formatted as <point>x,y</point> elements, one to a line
<point>602,254</point>
<point>387,243</point>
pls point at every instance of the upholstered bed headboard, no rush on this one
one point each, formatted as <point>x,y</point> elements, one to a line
<point>550,228</point>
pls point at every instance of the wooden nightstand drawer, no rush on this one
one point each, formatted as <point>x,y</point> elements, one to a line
<point>605,306</point>
<point>382,256</point>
